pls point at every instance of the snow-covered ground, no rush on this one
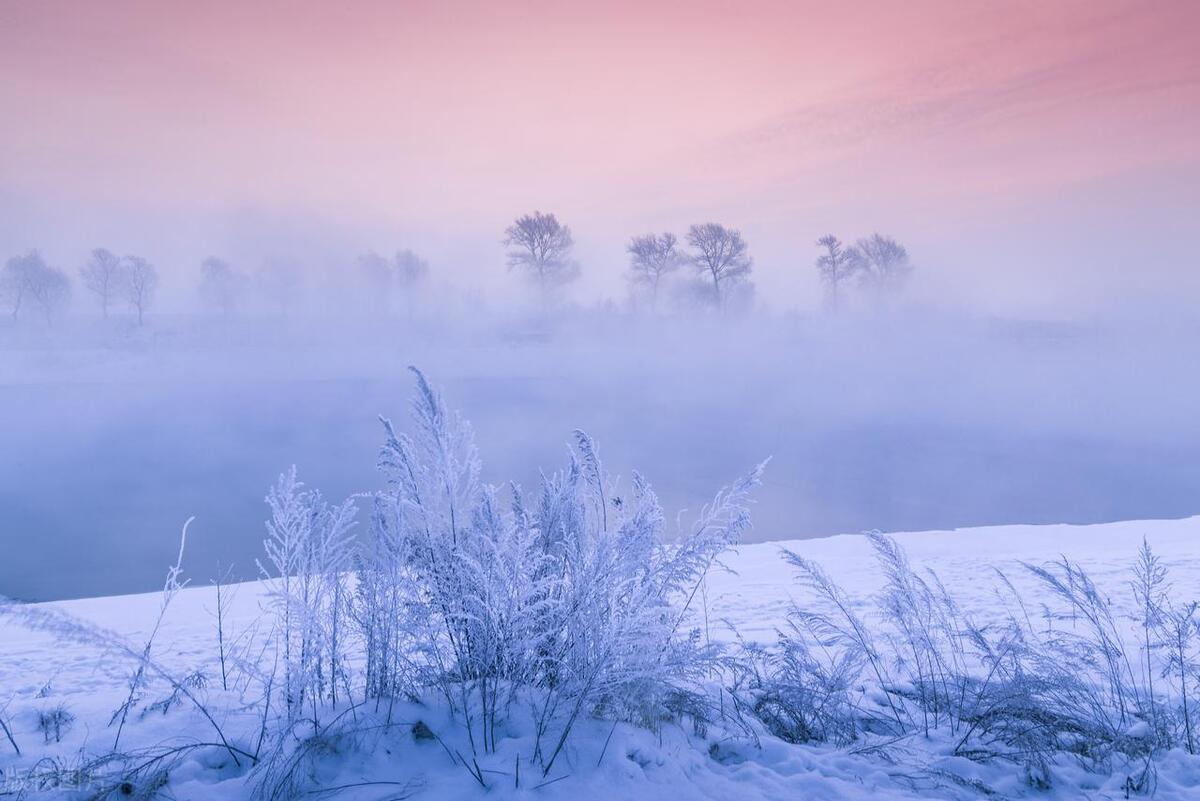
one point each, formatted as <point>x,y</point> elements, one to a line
<point>759,590</point>
<point>39,674</point>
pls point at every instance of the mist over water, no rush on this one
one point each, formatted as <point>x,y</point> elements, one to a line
<point>900,422</point>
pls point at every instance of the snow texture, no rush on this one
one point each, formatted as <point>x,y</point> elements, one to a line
<point>58,697</point>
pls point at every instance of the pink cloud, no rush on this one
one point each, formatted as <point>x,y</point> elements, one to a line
<point>785,117</point>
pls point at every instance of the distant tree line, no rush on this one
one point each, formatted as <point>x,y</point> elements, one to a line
<point>541,247</point>
<point>711,268</point>
<point>879,264</point>
<point>716,255</point>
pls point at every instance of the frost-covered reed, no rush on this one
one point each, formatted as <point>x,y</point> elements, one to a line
<point>1081,682</point>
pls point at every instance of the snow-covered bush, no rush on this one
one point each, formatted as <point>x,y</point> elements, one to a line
<point>1073,688</point>
<point>575,599</point>
<point>800,691</point>
<point>308,549</point>
<point>850,648</point>
<point>566,604</point>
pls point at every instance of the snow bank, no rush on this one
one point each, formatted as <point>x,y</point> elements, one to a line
<point>39,674</point>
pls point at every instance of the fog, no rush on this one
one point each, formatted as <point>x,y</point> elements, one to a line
<point>900,419</point>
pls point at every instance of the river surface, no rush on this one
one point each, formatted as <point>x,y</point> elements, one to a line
<point>98,472</point>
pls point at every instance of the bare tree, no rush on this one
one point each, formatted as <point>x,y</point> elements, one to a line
<point>882,263</point>
<point>138,283</point>
<point>721,255</point>
<point>541,246</point>
<point>650,258</point>
<point>220,285</point>
<point>14,281</point>
<point>280,283</point>
<point>378,280</point>
<point>102,276</point>
<point>383,278</point>
<point>411,272</point>
<point>835,266</point>
<point>51,290</point>
<point>28,279</point>
<point>411,269</point>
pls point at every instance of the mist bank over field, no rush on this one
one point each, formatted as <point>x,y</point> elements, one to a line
<point>112,435</point>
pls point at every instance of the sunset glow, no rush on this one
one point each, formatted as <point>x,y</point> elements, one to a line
<point>935,118</point>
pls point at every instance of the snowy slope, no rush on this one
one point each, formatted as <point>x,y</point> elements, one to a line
<point>39,674</point>
<point>760,588</point>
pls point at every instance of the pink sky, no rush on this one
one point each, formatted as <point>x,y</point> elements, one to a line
<point>952,125</point>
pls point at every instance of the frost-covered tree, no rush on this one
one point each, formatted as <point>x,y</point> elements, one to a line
<point>882,264</point>
<point>102,276</point>
<point>835,265</point>
<point>29,280</point>
<point>721,256</point>
<point>651,258</point>
<point>540,246</point>
<point>139,282</point>
<point>221,287</point>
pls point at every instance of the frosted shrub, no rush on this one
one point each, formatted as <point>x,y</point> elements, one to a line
<point>799,690</point>
<point>308,550</point>
<point>846,637</point>
<point>620,643</point>
<point>484,597</point>
<point>1074,688</point>
<point>1176,631</point>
